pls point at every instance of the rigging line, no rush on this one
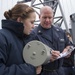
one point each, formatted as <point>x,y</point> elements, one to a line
<point>12,2</point>
<point>1,8</point>
<point>66,25</point>
<point>63,4</point>
<point>2,5</point>
<point>67,12</point>
<point>7,5</point>
<point>72,7</point>
<point>67,6</point>
<point>1,12</point>
<point>71,11</point>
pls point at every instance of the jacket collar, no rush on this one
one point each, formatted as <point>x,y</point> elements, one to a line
<point>13,26</point>
<point>55,32</point>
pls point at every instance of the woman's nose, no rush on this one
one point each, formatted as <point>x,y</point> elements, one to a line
<point>33,26</point>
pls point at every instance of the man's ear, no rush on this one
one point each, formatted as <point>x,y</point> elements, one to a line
<point>19,19</point>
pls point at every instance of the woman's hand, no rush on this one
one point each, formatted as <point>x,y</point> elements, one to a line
<point>38,69</point>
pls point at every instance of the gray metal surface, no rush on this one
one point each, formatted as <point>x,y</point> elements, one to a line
<point>36,53</point>
<point>72,18</point>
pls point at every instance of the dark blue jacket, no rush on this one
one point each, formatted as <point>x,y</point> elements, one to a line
<point>12,42</point>
<point>54,38</point>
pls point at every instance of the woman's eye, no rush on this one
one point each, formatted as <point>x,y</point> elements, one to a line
<point>32,22</point>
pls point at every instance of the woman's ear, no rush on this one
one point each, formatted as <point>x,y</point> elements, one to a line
<point>19,19</point>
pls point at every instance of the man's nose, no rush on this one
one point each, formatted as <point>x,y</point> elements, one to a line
<point>47,19</point>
